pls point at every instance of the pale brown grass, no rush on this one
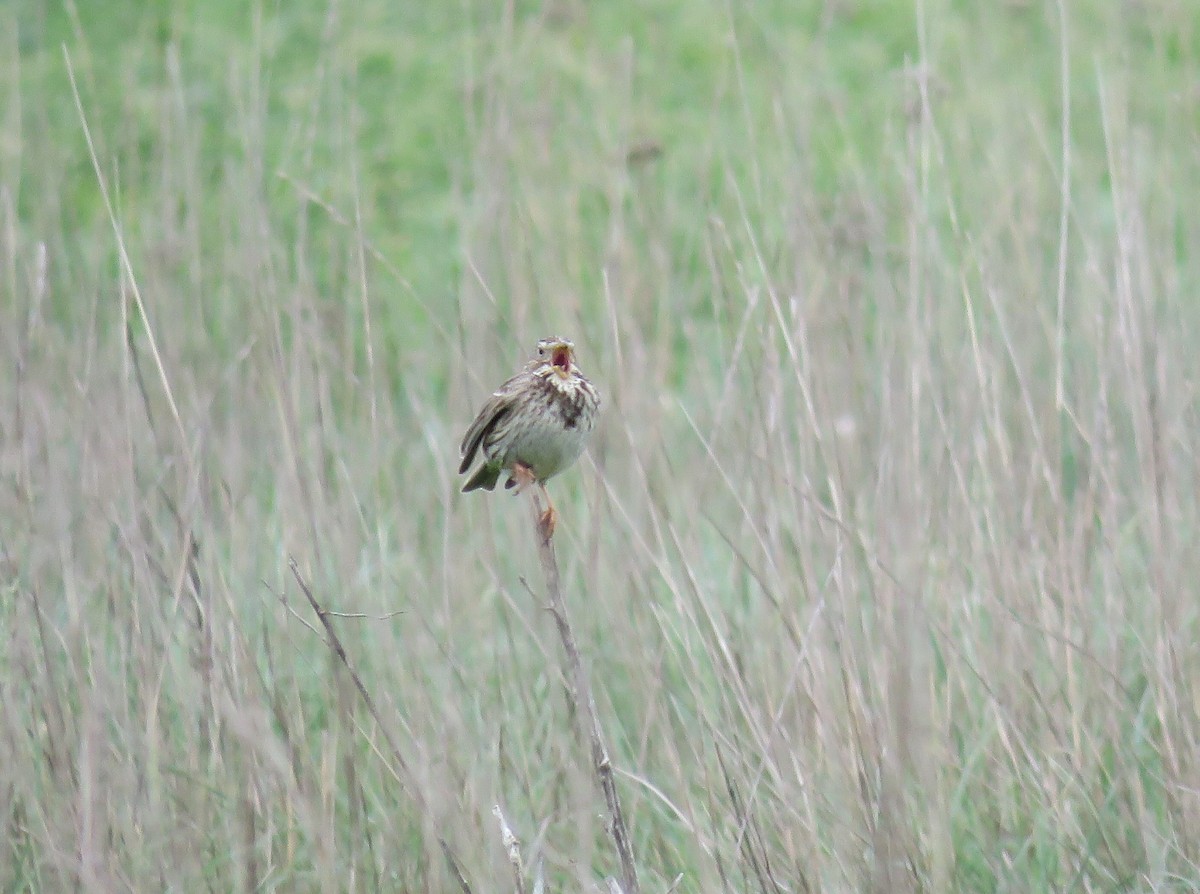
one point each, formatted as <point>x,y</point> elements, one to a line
<point>882,561</point>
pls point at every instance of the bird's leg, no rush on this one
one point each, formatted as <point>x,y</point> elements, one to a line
<point>522,477</point>
<point>549,519</point>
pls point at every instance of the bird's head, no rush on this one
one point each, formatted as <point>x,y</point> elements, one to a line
<point>559,353</point>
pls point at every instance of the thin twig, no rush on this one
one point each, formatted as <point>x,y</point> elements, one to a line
<point>581,693</point>
<point>335,645</point>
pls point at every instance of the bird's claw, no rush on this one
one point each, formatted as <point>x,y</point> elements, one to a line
<point>521,476</point>
<point>547,522</point>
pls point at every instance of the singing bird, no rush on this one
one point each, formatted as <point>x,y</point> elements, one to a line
<point>534,426</point>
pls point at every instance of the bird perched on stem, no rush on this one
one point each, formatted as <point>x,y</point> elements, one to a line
<point>534,426</point>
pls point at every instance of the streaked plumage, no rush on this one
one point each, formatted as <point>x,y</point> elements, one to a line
<point>539,419</point>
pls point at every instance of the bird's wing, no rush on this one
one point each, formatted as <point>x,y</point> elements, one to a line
<point>497,407</point>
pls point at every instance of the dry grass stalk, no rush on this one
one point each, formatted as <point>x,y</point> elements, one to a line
<point>512,847</point>
<point>335,645</point>
<point>581,694</point>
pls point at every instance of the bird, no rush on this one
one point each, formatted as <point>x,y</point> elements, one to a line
<point>534,426</point>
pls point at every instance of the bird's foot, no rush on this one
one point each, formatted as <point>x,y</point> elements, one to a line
<point>520,477</point>
<point>547,522</point>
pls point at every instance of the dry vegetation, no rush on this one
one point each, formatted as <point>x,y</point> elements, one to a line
<point>882,563</point>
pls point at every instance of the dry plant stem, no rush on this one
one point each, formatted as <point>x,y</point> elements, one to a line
<point>581,693</point>
<point>335,645</point>
<point>512,847</point>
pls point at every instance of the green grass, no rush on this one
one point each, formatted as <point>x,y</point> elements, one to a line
<point>881,559</point>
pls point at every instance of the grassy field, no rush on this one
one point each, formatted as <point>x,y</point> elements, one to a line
<point>882,561</point>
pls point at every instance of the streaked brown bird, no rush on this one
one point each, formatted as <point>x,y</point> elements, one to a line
<point>534,426</point>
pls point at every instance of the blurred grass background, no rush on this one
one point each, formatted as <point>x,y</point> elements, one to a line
<point>883,555</point>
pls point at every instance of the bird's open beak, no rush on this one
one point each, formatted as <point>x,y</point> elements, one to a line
<point>561,360</point>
